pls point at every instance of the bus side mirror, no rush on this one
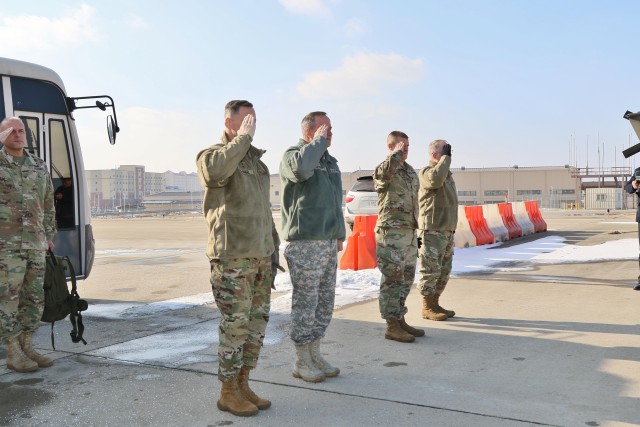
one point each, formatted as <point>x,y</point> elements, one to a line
<point>112,130</point>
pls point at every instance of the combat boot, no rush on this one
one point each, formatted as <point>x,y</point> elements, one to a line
<point>247,393</point>
<point>396,333</point>
<point>232,401</point>
<point>449,313</point>
<point>413,331</point>
<point>27,348</point>
<point>429,309</point>
<point>17,360</point>
<point>304,367</point>
<point>317,359</point>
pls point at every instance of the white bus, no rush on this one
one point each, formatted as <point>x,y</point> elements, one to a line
<point>37,95</point>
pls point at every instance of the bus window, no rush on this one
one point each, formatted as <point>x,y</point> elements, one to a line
<point>32,128</point>
<point>61,174</point>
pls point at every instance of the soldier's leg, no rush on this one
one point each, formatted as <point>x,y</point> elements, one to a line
<point>305,274</point>
<point>430,257</point>
<point>409,270</point>
<point>32,292</point>
<point>13,266</point>
<point>231,282</point>
<point>327,256</point>
<point>259,316</point>
<point>389,260</point>
<point>447,263</point>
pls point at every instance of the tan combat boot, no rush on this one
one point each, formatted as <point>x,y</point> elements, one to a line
<point>396,333</point>
<point>449,313</point>
<point>231,400</point>
<point>413,331</point>
<point>429,309</point>
<point>17,360</point>
<point>247,393</point>
<point>27,348</point>
<point>304,367</point>
<point>317,359</point>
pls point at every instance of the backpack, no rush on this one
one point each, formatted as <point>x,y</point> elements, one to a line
<point>58,301</point>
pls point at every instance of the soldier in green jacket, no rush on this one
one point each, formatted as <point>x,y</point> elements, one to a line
<point>313,224</point>
<point>397,185</point>
<point>243,244</point>
<point>27,227</point>
<point>437,223</point>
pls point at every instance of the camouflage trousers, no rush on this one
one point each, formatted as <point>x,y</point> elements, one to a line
<point>21,292</point>
<point>436,257</point>
<point>242,290</point>
<point>312,266</point>
<point>396,251</point>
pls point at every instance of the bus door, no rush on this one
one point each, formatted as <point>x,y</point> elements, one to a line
<point>49,138</point>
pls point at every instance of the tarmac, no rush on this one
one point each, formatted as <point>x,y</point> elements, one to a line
<point>550,345</point>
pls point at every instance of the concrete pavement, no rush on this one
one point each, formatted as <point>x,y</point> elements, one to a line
<point>554,345</point>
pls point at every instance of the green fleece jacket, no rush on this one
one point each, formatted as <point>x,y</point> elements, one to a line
<point>437,198</point>
<point>236,200</point>
<point>311,193</point>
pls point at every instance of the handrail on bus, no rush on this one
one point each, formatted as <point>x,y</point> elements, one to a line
<point>112,121</point>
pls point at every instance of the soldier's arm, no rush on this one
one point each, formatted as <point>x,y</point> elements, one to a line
<point>217,164</point>
<point>388,168</point>
<point>49,220</point>
<point>298,165</point>
<point>434,177</point>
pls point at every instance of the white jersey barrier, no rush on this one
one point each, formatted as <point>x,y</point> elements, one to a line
<point>494,221</point>
<point>464,237</point>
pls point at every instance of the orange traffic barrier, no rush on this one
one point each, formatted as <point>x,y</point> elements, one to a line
<point>463,237</point>
<point>495,223</point>
<point>506,212</point>
<point>535,215</point>
<point>478,225</point>
<point>360,253</point>
<point>522,218</point>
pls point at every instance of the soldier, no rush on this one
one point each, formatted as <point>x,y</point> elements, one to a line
<point>313,224</point>
<point>437,222</point>
<point>396,245</point>
<point>27,226</point>
<point>242,249</point>
<point>633,186</point>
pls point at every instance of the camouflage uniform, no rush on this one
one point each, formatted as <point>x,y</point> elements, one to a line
<point>242,238</point>
<point>396,249</point>
<point>312,266</point>
<point>242,290</point>
<point>312,223</point>
<point>438,200</point>
<point>27,221</point>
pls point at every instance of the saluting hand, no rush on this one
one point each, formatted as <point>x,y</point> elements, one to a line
<point>321,131</point>
<point>248,126</point>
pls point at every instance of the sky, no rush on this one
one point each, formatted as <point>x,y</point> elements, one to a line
<point>174,348</point>
<point>532,83</point>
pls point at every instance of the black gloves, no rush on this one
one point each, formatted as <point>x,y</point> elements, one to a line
<point>419,242</point>
<point>446,150</point>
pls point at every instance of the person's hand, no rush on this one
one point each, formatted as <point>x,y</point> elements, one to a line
<point>399,147</point>
<point>50,245</point>
<point>58,196</point>
<point>340,245</point>
<point>446,150</point>
<point>275,266</point>
<point>635,184</point>
<point>321,131</point>
<point>248,126</point>
<point>5,133</point>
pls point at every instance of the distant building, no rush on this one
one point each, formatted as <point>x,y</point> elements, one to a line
<point>128,186</point>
